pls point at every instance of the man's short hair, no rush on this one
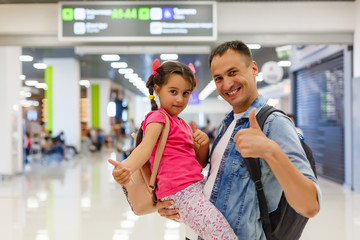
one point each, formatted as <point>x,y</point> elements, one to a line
<point>236,45</point>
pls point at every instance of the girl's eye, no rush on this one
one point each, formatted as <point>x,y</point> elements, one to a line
<point>173,91</point>
<point>186,93</point>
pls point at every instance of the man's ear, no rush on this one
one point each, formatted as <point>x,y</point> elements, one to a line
<point>254,68</point>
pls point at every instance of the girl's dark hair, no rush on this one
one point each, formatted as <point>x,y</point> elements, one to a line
<point>237,46</point>
<point>161,77</point>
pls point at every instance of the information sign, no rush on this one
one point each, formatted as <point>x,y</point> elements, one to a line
<point>137,21</point>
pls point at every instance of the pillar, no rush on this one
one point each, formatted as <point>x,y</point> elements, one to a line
<point>62,77</point>
<point>11,129</point>
<point>98,98</point>
<point>356,101</point>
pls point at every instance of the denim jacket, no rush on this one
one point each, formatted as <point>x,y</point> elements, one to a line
<point>234,192</point>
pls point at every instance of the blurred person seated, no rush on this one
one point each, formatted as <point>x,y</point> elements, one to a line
<point>58,146</point>
<point>100,139</point>
<point>27,144</point>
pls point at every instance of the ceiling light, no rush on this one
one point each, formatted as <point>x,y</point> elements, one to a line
<point>41,85</point>
<point>119,65</point>
<point>130,75</point>
<point>125,70</point>
<point>207,90</point>
<point>31,82</point>
<point>40,65</point>
<point>25,94</point>
<point>254,46</point>
<point>26,58</point>
<point>85,83</point>
<point>283,48</point>
<point>284,63</point>
<point>139,84</point>
<point>110,57</point>
<point>22,77</point>
<point>131,49</point>
<point>169,56</point>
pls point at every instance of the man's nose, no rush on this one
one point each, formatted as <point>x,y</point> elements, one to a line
<point>228,83</point>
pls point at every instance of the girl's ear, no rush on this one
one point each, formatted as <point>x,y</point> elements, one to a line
<point>157,89</point>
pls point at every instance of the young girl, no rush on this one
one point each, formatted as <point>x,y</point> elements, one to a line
<point>186,152</point>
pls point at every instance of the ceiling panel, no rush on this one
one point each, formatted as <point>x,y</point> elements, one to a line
<point>56,1</point>
<point>92,66</point>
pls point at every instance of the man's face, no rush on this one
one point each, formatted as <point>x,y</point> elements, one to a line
<point>234,80</point>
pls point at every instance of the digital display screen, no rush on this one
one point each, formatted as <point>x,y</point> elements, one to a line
<point>137,21</point>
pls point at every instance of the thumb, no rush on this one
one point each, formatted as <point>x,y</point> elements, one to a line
<point>114,163</point>
<point>194,127</point>
<point>252,119</point>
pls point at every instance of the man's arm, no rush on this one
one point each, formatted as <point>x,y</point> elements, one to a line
<point>172,214</point>
<point>300,191</point>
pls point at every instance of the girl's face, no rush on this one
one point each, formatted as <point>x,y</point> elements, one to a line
<point>174,95</point>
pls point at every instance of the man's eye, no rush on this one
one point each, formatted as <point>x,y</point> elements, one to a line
<point>232,73</point>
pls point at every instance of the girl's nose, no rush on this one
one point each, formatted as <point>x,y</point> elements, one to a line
<point>179,99</point>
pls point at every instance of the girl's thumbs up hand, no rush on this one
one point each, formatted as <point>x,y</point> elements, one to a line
<point>120,173</point>
<point>199,136</point>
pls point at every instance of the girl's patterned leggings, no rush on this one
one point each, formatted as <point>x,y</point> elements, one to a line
<point>197,212</point>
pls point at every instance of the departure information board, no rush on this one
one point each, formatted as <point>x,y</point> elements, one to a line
<point>137,21</point>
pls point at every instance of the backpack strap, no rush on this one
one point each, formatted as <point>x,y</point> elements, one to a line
<point>253,166</point>
<point>159,151</point>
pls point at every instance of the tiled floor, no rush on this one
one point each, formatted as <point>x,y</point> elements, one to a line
<point>78,200</point>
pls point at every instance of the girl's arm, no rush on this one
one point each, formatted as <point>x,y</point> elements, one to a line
<point>201,145</point>
<point>142,152</point>
<point>123,170</point>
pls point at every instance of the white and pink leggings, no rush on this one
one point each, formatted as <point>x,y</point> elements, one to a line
<point>197,212</point>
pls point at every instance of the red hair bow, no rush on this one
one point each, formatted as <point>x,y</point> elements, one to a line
<point>155,65</point>
<point>191,66</point>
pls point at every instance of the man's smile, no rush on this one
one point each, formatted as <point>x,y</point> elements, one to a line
<point>233,92</point>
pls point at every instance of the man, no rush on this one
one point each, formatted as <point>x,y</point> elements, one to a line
<point>284,165</point>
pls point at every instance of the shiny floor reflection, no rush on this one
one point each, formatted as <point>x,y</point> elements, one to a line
<point>79,200</point>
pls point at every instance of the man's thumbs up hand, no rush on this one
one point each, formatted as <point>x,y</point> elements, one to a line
<point>252,119</point>
<point>251,142</point>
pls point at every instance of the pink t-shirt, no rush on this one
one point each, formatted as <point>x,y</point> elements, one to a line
<point>178,167</point>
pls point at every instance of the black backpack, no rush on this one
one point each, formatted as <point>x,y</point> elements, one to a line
<point>284,223</point>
